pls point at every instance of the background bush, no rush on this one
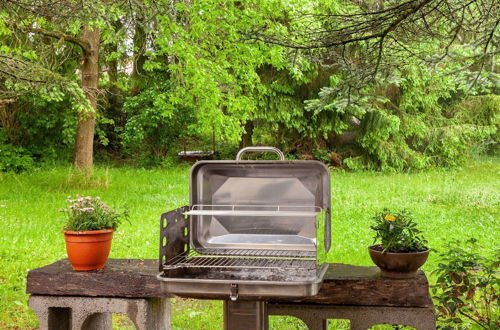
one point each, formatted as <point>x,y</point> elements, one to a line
<point>176,78</point>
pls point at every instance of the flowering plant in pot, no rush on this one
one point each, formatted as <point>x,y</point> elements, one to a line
<point>402,249</point>
<point>88,232</point>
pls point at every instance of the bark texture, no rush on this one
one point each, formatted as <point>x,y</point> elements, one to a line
<point>83,154</point>
<point>139,58</point>
<point>246,138</point>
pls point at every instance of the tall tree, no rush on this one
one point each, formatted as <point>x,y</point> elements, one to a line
<point>89,42</point>
<point>67,22</point>
<point>139,44</point>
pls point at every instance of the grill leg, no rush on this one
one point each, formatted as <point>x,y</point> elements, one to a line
<point>245,315</point>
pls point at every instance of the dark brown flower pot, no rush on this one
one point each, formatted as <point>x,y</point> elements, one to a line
<point>397,265</point>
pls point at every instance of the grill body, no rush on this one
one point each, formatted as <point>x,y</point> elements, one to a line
<point>253,228</point>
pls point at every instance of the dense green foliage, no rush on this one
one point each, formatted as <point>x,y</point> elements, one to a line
<point>151,131</point>
<point>467,290</point>
<point>418,119</point>
<point>397,232</point>
<point>178,71</point>
<point>14,159</point>
<point>459,203</point>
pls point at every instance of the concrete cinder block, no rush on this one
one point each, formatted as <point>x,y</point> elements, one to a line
<point>93,313</point>
<point>361,317</point>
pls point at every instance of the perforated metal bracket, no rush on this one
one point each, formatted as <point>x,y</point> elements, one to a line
<point>174,235</point>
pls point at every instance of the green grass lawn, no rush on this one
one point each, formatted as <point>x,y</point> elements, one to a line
<point>447,204</point>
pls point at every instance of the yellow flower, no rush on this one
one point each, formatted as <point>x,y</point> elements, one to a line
<point>389,217</point>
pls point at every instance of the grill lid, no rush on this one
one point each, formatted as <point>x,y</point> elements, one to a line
<point>258,205</point>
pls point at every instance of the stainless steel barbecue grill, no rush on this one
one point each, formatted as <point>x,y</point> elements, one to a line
<point>253,228</point>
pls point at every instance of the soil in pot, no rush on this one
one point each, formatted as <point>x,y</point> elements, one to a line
<point>397,265</point>
<point>88,250</point>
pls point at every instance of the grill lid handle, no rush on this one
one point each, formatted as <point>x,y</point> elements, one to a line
<point>260,149</point>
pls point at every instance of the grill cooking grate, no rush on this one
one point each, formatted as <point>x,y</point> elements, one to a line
<point>257,253</point>
<point>262,261</point>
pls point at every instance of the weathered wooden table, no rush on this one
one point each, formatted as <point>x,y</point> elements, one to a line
<point>64,299</point>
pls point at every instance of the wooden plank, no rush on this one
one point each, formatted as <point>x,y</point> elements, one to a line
<point>343,284</point>
<point>360,285</point>
<point>130,278</point>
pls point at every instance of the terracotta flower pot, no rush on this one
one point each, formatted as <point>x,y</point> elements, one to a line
<point>397,265</point>
<point>88,250</point>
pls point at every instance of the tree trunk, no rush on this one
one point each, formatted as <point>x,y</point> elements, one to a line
<point>83,155</point>
<point>139,58</point>
<point>246,138</point>
<point>114,91</point>
<point>114,110</point>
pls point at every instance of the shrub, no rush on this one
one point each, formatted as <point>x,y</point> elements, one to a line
<point>467,290</point>
<point>418,118</point>
<point>452,145</point>
<point>47,126</point>
<point>480,110</point>
<point>15,159</point>
<point>397,232</point>
<point>89,213</point>
<point>154,127</point>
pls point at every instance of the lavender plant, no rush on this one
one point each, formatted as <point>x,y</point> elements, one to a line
<point>89,213</point>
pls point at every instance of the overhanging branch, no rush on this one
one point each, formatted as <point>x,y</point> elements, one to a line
<point>66,37</point>
<point>54,34</point>
<point>378,24</point>
<point>16,69</point>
